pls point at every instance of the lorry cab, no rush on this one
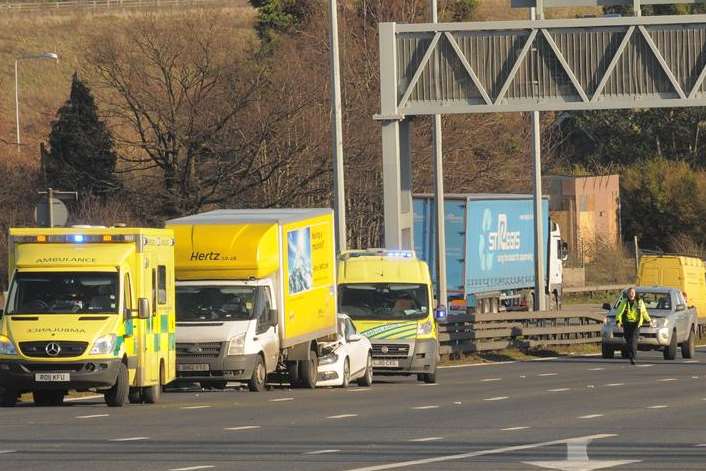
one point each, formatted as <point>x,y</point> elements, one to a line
<point>388,296</point>
<point>88,308</point>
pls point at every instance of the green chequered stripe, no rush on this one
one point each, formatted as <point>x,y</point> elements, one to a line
<point>389,331</point>
<point>164,331</point>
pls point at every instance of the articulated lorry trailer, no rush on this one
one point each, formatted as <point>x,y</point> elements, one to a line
<point>89,308</point>
<point>256,293</point>
<point>490,250</point>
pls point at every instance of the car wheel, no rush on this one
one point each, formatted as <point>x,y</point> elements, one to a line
<point>346,374</point>
<point>48,398</point>
<point>8,398</point>
<point>607,351</point>
<point>259,376</point>
<point>670,351</point>
<point>367,379</point>
<point>117,396</point>
<point>688,348</point>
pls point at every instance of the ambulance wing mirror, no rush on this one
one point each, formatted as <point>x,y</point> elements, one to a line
<point>143,308</point>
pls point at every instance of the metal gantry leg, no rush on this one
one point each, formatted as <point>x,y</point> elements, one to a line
<point>337,133</point>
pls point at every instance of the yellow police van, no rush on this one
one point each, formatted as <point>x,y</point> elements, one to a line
<point>388,295</point>
<point>88,308</point>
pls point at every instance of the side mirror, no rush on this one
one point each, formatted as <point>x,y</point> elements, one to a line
<point>440,313</point>
<point>606,306</point>
<point>681,307</point>
<point>564,251</point>
<point>143,308</point>
<point>354,338</point>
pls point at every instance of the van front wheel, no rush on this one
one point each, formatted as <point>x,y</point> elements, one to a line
<point>259,376</point>
<point>117,396</point>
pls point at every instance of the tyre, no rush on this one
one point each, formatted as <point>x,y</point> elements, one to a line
<point>8,398</point>
<point>367,379</point>
<point>688,348</point>
<point>259,376</point>
<point>48,398</point>
<point>420,376</point>
<point>430,378</point>
<point>670,351</point>
<point>346,374</point>
<point>607,352</point>
<point>117,396</point>
<point>135,396</point>
<point>293,370</point>
<point>151,394</point>
<point>309,371</point>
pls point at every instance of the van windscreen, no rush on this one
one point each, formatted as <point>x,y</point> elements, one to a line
<point>214,303</point>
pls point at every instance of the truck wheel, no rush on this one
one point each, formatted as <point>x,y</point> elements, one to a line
<point>670,352</point>
<point>135,396</point>
<point>346,374</point>
<point>367,379</point>
<point>151,394</point>
<point>607,352</point>
<point>430,378</point>
<point>310,371</point>
<point>688,348</point>
<point>8,398</point>
<point>259,376</point>
<point>293,370</point>
<point>117,396</point>
<point>48,398</point>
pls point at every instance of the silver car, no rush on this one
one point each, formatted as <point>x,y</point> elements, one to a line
<point>673,324</point>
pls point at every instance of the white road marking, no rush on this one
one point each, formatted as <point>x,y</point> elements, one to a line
<point>342,416</point>
<point>470,365</point>
<point>694,377</point>
<point>428,384</point>
<point>425,407</point>
<point>83,398</point>
<point>590,416</point>
<point>691,361</point>
<point>243,427</point>
<point>192,468</point>
<point>701,445</point>
<point>590,386</point>
<point>427,439</point>
<point>647,365</point>
<point>195,407</point>
<point>458,403</point>
<point>544,359</point>
<point>659,406</point>
<point>523,376</point>
<point>548,374</point>
<point>596,369</point>
<point>321,452</point>
<point>129,439</point>
<point>512,429</point>
<point>664,380</point>
<point>613,385</point>
<point>5,452</point>
<point>498,398</point>
<point>473,454</point>
<point>359,389</point>
<point>94,416</point>
<point>282,399</point>
<point>488,380</point>
<point>577,459</point>
<point>559,390</point>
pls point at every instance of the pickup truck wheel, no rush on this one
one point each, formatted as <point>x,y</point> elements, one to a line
<point>117,396</point>
<point>259,376</point>
<point>688,348</point>
<point>8,398</point>
<point>48,398</point>
<point>310,371</point>
<point>367,379</point>
<point>670,351</point>
<point>346,374</point>
<point>607,351</point>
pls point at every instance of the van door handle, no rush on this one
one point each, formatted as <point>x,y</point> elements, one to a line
<point>254,339</point>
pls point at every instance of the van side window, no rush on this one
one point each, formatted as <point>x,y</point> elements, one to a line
<point>162,284</point>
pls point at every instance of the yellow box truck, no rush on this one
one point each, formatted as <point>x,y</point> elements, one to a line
<point>685,273</point>
<point>388,295</point>
<point>88,308</point>
<point>256,293</point>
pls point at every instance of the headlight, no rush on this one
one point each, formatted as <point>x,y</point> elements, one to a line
<point>424,328</point>
<point>6,346</point>
<point>236,345</point>
<point>104,345</point>
<point>328,359</point>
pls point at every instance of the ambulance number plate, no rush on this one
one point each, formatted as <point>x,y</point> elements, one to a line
<point>52,377</point>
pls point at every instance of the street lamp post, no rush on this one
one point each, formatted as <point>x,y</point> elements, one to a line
<point>41,56</point>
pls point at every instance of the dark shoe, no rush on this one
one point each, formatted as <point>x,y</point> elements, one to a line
<point>632,361</point>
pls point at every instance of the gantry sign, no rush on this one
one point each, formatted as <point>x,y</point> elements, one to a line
<point>546,65</point>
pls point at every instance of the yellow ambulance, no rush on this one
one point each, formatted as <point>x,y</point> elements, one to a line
<point>88,308</point>
<point>388,295</point>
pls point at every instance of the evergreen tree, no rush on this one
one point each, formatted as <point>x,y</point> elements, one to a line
<point>81,156</point>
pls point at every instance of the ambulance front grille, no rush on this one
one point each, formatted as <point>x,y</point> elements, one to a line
<point>53,349</point>
<point>199,350</point>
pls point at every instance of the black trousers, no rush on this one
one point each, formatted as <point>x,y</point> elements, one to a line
<point>631,332</point>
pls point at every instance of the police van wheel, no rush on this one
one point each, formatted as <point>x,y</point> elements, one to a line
<point>259,376</point>
<point>8,398</point>
<point>670,352</point>
<point>135,396</point>
<point>117,396</point>
<point>48,398</point>
<point>688,348</point>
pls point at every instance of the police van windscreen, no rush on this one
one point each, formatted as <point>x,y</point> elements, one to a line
<point>384,301</point>
<point>64,293</point>
<point>214,303</point>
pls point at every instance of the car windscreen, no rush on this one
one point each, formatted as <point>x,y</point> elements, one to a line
<point>63,293</point>
<point>215,303</point>
<point>384,301</point>
<point>658,303</point>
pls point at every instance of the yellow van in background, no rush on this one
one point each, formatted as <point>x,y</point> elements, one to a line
<point>685,273</point>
